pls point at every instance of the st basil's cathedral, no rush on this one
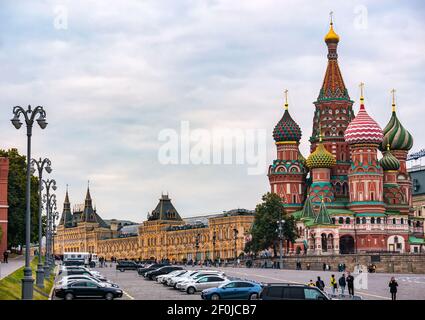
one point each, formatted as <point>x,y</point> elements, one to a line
<point>344,199</point>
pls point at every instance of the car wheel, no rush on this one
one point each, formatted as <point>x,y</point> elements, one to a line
<point>191,290</point>
<point>215,296</point>
<point>109,296</point>
<point>69,296</point>
<point>253,296</point>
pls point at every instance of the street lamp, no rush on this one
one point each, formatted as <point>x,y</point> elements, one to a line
<point>40,165</point>
<point>50,201</point>
<point>197,239</point>
<point>29,116</point>
<point>280,224</point>
<point>214,239</point>
<point>235,236</point>
<point>55,217</point>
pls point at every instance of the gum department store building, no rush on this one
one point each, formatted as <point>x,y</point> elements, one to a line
<point>345,200</point>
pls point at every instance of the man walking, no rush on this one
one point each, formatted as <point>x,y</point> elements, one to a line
<point>350,284</point>
<point>393,288</point>
<point>320,284</point>
<point>333,284</point>
<point>5,257</point>
<point>342,283</point>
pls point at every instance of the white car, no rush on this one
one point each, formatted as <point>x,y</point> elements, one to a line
<point>202,283</point>
<point>76,277</point>
<point>181,283</point>
<point>173,281</point>
<point>163,278</point>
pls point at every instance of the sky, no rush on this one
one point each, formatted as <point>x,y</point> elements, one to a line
<point>113,75</point>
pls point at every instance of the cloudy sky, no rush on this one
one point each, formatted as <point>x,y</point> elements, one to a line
<point>113,74</point>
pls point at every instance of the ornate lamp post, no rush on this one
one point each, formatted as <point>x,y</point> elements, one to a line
<point>29,117</point>
<point>280,224</point>
<point>235,237</point>
<point>40,165</point>
<point>197,239</point>
<point>214,239</point>
<point>53,229</point>
<point>50,201</point>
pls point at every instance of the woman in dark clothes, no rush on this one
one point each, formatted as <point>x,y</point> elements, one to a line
<point>393,288</point>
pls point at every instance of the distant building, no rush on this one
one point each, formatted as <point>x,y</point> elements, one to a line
<point>417,221</point>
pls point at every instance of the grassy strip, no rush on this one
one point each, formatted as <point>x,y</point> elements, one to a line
<point>11,286</point>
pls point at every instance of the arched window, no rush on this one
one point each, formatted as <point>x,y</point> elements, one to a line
<point>333,220</point>
<point>401,221</point>
<point>341,220</point>
<point>394,221</point>
<point>347,220</point>
<point>372,220</point>
<point>378,221</point>
<point>357,220</point>
<point>363,220</point>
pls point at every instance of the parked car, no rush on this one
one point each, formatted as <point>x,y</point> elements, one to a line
<point>211,281</point>
<point>75,262</point>
<point>85,277</point>
<point>151,275</point>
<point>142,271</point>
<point>87,289</point>
<point>285,291</point>
<point>124,265</point>
<point>163,278</point>
<point>172,282</point>
<point>70,272</point>
<point>199,274</point>
<point>241,290</point>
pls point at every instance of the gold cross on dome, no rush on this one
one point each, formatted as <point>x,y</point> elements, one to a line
<point>286,98</point>
<point>393,94</point>
<point>361,85</point>
<point>331,15</point>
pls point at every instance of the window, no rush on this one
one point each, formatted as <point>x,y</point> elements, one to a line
<point>372,220</point>
<point>214,279</point>
<point>347,220</point>
<point>341,220</point>
<point>378,221</point>
<point>78,284</point>
<point>363,220</point>
<point>293,293</point>
<point>244,285</point>
<point>91,285</point>
<point>275,292</point>
<point>312,294</point>
<point>401,221</point>
<point>358,220</point>
<point>394,221</point>
<point>231,285</point>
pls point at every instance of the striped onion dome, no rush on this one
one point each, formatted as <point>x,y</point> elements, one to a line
<point>363,129</point>
<point>396,135</point>
<point>287,129</point>
<point>320,158</point>
<point>389,162</point>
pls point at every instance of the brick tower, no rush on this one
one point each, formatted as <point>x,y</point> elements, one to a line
<point>4,174</point>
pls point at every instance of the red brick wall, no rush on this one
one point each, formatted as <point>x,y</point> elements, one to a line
<point>4,174</point>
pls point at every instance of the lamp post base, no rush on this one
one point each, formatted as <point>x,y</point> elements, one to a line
<point>46,271</point>
<point>39,279</point>
<point>27,285</point>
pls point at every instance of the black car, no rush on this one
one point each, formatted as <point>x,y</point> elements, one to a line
<point>151,275</point>
<point>73,263</point>
<point>87,289</point>
<point>142,271</point>
<point>286,291</point>
<point>127,265</point>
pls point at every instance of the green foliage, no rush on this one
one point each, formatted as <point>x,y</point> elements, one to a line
<point>16,199</point>
<point>264,230</point>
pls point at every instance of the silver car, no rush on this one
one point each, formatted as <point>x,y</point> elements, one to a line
<point>207,282</point>
<point>182,282</point>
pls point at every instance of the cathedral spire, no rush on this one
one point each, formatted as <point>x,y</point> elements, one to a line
<point>88,206</point>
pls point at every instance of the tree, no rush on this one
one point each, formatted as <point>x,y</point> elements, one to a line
<point>264,229</point>
<point>16,199</point>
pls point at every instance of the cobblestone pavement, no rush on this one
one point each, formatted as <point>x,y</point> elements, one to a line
<point>411,287</point>
<point>135,287</point>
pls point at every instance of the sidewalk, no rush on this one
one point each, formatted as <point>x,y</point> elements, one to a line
<point>13,265</point>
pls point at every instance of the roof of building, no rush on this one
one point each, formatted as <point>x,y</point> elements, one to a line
<point>287,130</point>
<point>164,210</point>
<point>320,158</point>
<point>388,161</point>
<point>323,215</point>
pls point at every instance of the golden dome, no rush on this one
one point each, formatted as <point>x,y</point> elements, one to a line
<point>331,36</point>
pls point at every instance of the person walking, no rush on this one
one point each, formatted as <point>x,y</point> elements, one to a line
<point>6,257</point>
<point>320,284</point>
<point>342,284</point>
<point>333,284</point>
<point>324,267</point>
<point>350,284</point>
<point>393,288</point>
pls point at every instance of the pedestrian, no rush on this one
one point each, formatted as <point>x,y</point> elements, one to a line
<point>320,284</point>
<point>311,284</point>
<point>6,257</point>
<point>393,288</point>
<point>343,267</point>
<point>350,284</point>
<point>333,284</point>
<point>308,266</point>
<point>324,267</point>
<point>342,283</point>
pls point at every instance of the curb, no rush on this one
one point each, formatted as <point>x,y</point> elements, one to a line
<point>53,286</point>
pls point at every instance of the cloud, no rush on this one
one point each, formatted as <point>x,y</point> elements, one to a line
<point>123,71</point>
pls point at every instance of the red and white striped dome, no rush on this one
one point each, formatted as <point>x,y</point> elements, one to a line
<point>363,129</point>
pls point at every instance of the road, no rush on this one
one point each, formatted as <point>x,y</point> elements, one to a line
<point>411,287</point>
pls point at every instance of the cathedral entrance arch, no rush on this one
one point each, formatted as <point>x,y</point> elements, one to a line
<point>346,244</point>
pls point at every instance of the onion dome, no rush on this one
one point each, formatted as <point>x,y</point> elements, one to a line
<point>363,129</point>
<point>287,130</point>
<point>395,134</point>
<point>389,162</point>
<point>331,36</point>
<point>321,158</point>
